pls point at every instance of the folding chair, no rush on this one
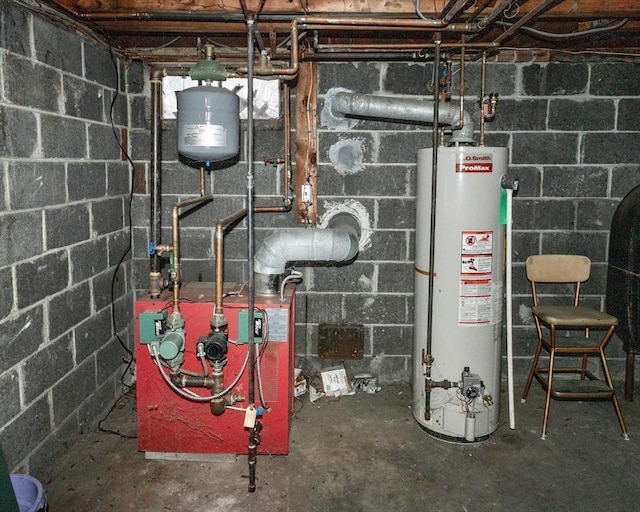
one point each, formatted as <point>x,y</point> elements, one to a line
<point>573,270</point>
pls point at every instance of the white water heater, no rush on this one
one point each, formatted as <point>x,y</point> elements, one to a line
<point>208,121</point>
<point>456,373</point>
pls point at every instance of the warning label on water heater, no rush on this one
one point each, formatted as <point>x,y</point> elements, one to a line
<point>474,163</point>
<point>474,309</point>
<point>475,290</point>
<point>212,135</point>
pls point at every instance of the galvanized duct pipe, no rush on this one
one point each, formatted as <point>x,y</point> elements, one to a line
<point>404,109</point>
<point>337,243</point>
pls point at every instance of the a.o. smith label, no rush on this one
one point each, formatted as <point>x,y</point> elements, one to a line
<point>475,163</point>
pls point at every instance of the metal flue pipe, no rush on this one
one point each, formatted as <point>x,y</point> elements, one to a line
<point>337,243</point>
<point>404,109</point>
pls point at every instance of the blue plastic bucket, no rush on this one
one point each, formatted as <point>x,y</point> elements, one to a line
<point>29,493</point>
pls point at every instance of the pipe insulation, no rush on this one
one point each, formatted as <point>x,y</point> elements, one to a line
<point>403,109</point>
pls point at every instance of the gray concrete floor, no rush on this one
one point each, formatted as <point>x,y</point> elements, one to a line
<point>366,453</point>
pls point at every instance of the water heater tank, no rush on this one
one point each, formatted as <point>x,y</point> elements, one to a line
<point>456,378</point>
<point>208,124</point>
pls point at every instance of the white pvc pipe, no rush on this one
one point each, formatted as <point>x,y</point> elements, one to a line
<point>509,308</point>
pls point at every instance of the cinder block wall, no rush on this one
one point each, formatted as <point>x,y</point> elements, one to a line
<point>574,143</point>
<point>64,208</point>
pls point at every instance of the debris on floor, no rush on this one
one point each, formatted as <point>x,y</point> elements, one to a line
<point>335,381</point>
<point>299,383</point>
<point>366,382</point>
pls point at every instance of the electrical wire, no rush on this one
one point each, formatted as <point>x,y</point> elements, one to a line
<point>187,393</point>
<point>260,353</point>
<point>114,276</point>
<point>117,404</point>
<point>593,52</point>
<point>265,341</point>
<point>568,35</point>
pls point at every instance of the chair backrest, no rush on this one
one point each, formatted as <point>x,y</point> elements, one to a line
<point>558,268</point>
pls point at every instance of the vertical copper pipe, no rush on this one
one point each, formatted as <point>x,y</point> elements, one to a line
<point>221,225</point>
<point>202,181</point>
<point>287,146</point>
<point>175,231</point>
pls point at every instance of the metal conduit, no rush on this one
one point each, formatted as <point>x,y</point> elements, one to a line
<point>155,235</point>
<point>427,359</point>
<point>252,445</point>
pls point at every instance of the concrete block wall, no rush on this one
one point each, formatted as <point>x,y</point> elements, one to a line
<point>574,144</point>
<point>64,226</point>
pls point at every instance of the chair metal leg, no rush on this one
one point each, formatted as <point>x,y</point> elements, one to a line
<point>585,359</point>
<point>547,404</point>
<point>614,398</point>
<point>534,365</point>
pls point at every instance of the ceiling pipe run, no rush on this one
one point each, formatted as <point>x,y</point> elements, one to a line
<point>404,109</point>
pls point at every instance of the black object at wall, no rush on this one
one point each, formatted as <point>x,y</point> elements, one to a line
<point>8,501</point>
<point>623,279</point>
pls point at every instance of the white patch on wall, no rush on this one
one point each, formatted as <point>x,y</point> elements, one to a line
<point>352,207</point>
<point>347,156</point>
<point>328,119</point>
<point>365,283</point>
<point>524,312</point>
<point>377,363</point>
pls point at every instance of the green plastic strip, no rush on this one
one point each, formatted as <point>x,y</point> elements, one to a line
<point>503,206</point>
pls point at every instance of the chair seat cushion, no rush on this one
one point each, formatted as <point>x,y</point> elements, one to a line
<point>573,316</point>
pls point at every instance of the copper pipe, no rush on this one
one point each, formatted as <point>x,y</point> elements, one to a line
<point>119,15</point>
<point>314,23</point>
<point>294,64</point>
<point>221,225</point>
<point>396,47</point>
<point>287,147</point>
<point>202,182</point>
<point>175,220</point>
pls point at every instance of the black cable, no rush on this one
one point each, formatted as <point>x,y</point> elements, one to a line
<point>131,358</point>
<point>127,393</point>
